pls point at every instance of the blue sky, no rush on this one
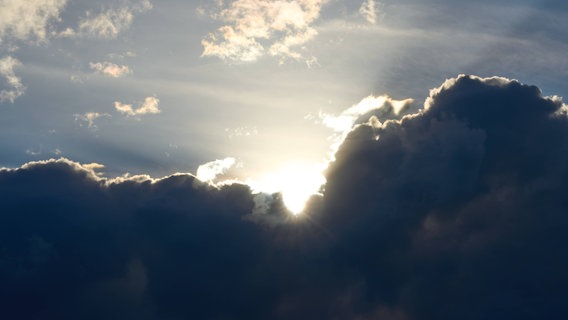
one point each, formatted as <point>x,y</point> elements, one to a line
<point>205,80</point>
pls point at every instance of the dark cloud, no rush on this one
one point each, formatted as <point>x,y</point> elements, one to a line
<point>457,212</point>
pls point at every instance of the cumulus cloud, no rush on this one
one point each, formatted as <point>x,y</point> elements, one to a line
<point>110,69</point>
<point>28,19</point>
<point>89,118</point>
<point>14,83</point>
<point>254,28</point>
<point>461,199</point>
<point>149,106</point>
<point>111,22</point>
<point>456,211</point>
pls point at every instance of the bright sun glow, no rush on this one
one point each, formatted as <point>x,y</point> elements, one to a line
<point>297,182</point>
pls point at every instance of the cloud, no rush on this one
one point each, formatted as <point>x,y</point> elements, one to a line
<point>461,199</point>
<point>254,28</point>
<point>89,118</point>
<point>110,69</point>
<point>111,22</point>
<point>455,211</point>
<point>370,11</point>
<point>14,83</point>
<point>368,110</point>
<point>149,106</point>
<point>209,171</point>
<point>29,19</point>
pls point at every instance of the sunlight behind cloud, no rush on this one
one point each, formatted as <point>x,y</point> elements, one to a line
<point>297,182</point>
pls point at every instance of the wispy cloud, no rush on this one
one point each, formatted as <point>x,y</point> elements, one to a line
<point>149,106</point>
<point>254,28</point>
<point>14,83</point>
<point>110,23</point>
<point>89,118</point>
<point>28,19</point>
<point>110,69</point>
<point>370,11</point>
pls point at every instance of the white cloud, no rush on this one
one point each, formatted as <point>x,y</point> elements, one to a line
<point>89,118</point>
<point>14,83</point>
<point>254,28</point>
<point>385,107</point>
<point>110,23</point>
<point>25,19</point>
<point>209,171</point>
<point>370,11</point>
<point>110,69</point>
<point>149,106</point>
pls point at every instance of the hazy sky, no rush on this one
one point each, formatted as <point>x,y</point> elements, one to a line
<point>163,87</point>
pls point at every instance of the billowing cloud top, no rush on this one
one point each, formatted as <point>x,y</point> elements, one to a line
<point>455,212</point>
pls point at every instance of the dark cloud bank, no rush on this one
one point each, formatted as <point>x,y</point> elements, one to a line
<point>457,212</point>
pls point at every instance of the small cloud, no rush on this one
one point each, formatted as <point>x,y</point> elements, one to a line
<point>110,69</point>
<point>253,29</point>
<point>241,132</point>
<point>209,171</point>
<point>149,106</point>
<point>67,33</point>
<point>14,83</point>
<point>110,23</point>
<point>33,152</point>
<point>370,11</point>
<point>89,118</point>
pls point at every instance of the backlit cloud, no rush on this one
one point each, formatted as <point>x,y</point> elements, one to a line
<point>463,201</point>
<point>209,171</point>
<point>372,108</point>
<point>254,28</point>
<point>149,106</point>
<point>110,69</point>
<point>15,88</point>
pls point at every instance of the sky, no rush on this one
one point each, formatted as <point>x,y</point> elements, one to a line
<point>278,159</point>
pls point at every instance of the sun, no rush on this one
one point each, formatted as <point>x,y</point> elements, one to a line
<point>297,182</point>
